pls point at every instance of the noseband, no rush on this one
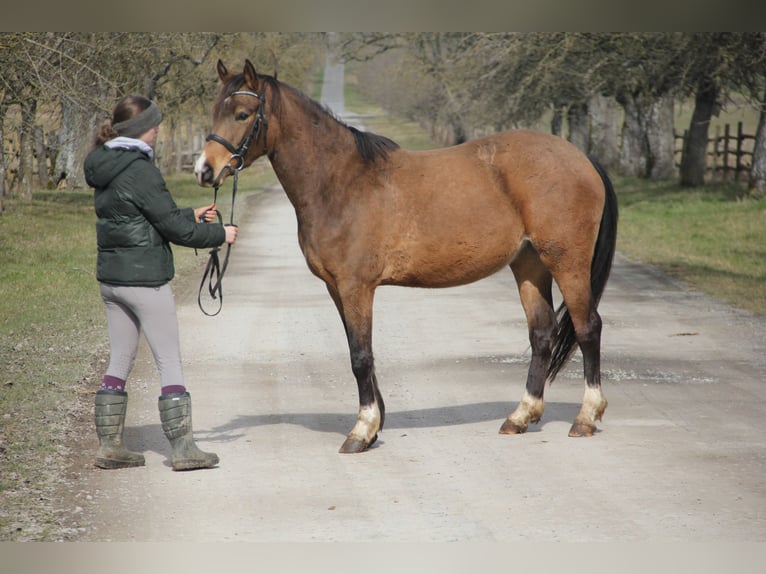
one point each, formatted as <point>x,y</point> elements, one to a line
<point>260,122</point>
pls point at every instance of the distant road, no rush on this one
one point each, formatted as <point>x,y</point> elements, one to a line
<point>332,88</point>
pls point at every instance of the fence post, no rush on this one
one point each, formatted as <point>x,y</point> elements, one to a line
<point>726,152</point>
<point>740,139</point>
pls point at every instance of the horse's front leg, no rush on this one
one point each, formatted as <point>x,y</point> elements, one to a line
<point>355,307</point>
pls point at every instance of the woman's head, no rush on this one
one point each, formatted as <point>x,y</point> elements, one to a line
<point>132,117</point>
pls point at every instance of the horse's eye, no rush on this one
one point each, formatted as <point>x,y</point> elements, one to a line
<point>242,116</point>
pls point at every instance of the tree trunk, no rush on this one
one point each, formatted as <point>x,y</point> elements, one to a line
<point>579,127</point>
<point>557,121</point>
<point>75,141</point>
<point>26,142</point>
<point>694,156</point>
<point>757,183</point>
<point>632,139</point>
<point>42,157</point>
<point>3,190</point>
<point>604,132</point>
<point>646,147</point>
<point>659,134</point>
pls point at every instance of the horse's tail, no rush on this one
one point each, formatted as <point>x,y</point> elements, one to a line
<point>600,266</point>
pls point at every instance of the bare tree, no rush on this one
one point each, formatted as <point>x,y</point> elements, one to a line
<point>424,79</point>
<point>718,63</point>
<point>604,123</point>
<point>81,75</point>
<point>757,180</point>
<point>21,95</point>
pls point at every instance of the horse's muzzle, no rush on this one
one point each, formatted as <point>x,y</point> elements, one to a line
<point>203,171</point>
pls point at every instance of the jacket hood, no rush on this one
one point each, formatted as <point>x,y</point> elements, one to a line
<point>104,164</point>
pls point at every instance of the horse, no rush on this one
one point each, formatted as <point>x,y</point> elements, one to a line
<point>370,213</point>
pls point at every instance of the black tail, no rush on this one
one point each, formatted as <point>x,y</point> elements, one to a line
<point>600,266</point>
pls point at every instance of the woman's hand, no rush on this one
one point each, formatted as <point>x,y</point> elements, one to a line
<point>206,214</point>
<point>231,233</point>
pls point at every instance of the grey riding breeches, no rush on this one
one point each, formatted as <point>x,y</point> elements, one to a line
<point>131,310</point>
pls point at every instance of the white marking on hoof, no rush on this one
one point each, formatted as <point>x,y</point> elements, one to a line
<point>367,424</point>
<point>530,410</point>
<point>593,406</point>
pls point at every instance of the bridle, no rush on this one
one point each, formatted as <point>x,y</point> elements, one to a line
<point>214,270</point>
<point>238,153</point>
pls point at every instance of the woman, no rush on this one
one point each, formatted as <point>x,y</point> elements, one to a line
<point>137,221</point>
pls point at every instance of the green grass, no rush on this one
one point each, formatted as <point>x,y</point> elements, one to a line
<point>51,318</point>
<point>710,238</point>
<point>53,338</point>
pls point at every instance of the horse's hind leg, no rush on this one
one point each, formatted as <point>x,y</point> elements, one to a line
<point>587,328</point>
<point>534,282</point>
<point>354,303</point>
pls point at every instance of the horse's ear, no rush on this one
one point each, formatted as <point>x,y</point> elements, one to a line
<point>223,73</point>
<point>250,76</point>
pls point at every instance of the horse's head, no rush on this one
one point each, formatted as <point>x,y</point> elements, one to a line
<point>238,136</point>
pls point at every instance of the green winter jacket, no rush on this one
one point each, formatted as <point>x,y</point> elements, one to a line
<point>138,219</point>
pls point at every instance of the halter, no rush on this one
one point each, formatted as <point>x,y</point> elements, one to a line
<point>214,269</point>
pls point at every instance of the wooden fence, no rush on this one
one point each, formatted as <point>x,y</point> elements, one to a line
<point>177,150</point>
<point>729,155</point>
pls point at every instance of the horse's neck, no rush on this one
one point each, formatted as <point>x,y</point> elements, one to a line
<point>310,150</point>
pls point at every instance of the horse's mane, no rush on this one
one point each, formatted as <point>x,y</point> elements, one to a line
<point>369,145</point>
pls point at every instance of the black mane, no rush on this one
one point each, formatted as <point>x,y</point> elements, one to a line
<point>371,146</point>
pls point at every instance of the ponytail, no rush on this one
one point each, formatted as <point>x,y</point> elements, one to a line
<point>104,134</point>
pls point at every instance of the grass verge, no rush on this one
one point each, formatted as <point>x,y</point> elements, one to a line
<point>53,344</point>
<point>711,238</point>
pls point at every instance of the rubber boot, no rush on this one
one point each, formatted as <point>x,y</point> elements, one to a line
<point>175,414</point>
<point>110,422</point>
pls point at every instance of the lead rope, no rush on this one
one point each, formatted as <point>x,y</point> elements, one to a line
<point>214,270</point>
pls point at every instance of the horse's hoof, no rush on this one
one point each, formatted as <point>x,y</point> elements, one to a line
<point>355,445</point>
<point>582,430</point>
<point>510,427</point>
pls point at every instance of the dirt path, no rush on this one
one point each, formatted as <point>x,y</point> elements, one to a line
<point>681,454</point>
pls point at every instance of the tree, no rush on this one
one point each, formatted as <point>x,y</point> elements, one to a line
<point>76,77</point>
<point>718,63</point>
<point>757,180</point>
<point>640,71</point>
<point>19,94</point>
<point>485,82</point>
<point>424,79</point>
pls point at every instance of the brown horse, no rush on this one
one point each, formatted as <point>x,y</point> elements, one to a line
<point>370,214</point>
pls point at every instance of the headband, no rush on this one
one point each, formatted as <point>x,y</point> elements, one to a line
<point>141,123</point>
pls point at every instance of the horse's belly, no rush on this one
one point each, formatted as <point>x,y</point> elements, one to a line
<point>454,261</point>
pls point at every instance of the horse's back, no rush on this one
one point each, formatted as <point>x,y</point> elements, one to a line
<point>463,212</point>
<point>522,171</point>
<point>520,160</point>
